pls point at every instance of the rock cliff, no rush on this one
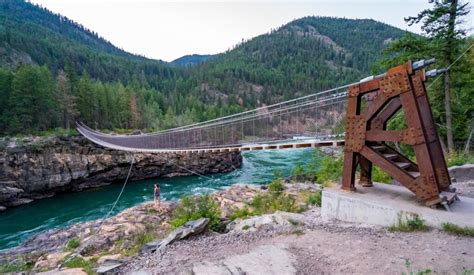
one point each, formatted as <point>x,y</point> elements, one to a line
<point>34,168</point>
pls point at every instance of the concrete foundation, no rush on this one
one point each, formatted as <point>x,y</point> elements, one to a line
<point>384,204</point>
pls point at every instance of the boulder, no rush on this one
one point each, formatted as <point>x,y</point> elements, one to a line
<point>188,229</point>
<point>108,268</point>
<point>50,261</point>
<point>110,258</point>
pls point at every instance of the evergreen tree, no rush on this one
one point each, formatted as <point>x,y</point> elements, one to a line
<point>67,101</point>
<point>441,25</point>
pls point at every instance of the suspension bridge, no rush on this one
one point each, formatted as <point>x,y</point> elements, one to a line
<point>354,116</point>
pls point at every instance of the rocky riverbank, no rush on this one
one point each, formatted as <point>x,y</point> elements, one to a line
<point>280,242</point>
<point>35,168</point>
<point>125,234</point>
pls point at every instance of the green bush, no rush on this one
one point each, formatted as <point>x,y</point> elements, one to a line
<point>240,213</point>
<point>190,209</point>
<point>14,268</point>
<point>138,241</point>
<point>276,186</point>
<point>457,159</point>
<point>73,244</point>
<point>380,176</point>
<point>298,172</point>
<point>458,230</point>
<point>409,222</point>
<point>330,169</point>
<point>314,198</point>
<point>270,203</point>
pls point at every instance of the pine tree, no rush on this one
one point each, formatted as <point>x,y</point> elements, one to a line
<point>441,25</point>
<point>67,101</point>
<point>134,113</point>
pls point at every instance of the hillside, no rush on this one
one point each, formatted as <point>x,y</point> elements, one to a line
<point>106,87</point>
<point>33,35</point>
<point>191,60</point>
<point>301,57</point>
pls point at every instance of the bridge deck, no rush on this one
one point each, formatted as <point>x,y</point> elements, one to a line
<point>255,147</point>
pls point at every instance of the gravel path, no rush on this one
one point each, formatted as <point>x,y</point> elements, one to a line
<point>313,247</point>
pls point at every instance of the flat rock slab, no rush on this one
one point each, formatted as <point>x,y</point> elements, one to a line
<point>108,268</point>
<point>382,204</point>
<point>266,259</point>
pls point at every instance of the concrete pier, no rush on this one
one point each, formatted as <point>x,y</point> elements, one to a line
<point>383,204</point>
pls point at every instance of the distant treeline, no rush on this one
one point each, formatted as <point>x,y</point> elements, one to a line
<point>33,99</point>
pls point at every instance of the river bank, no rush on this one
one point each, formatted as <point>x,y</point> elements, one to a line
<point>279,242</point>
<point>36,168</point>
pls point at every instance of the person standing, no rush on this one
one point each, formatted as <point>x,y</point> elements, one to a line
<point>156,195</point>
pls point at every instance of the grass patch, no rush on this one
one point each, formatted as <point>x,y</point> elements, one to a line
<point>419,272</point>
<point>10,268</point>
<point>193,208</point>
<point>298,172</point>
<point>408,223</point>
<point>459,158</point>
<point>272,202</point>
<point>266,203</point>
<point>73,244</point>
<point>458,230</point>
<point>314,198</point>
<point>380,176</point>
<point>276,186</point>
<point>78,262</point>
<point>245,227</point>
<point>138,241</point>
<point>240,213</point>
<point>330,170</point>
<point>468,272</point>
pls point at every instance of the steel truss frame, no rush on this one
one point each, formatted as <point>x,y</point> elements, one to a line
<point>367,134</point>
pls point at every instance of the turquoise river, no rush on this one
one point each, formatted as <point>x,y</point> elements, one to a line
<point>17,224</point>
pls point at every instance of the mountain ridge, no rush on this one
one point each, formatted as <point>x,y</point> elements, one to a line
<point>116,89</point>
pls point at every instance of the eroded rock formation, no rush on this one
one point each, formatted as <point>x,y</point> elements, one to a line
<point>34,168</point>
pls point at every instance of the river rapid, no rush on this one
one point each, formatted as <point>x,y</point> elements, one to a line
<point>18,224</point>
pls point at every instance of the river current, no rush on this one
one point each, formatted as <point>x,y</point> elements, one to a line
<point>18,224</point>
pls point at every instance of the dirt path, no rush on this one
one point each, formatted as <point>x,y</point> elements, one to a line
<point>310,248</point>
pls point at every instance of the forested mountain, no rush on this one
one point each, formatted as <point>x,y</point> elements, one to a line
<point>78,75</point>
<point>193,59</point>
<point>301,57</point>
<point>31,34</point>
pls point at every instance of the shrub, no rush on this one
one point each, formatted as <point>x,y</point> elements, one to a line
<point>78,262</point>
<point>138,242</point>
<point>14,268</point>
<point>409,222</point>
<point>240,213</point>
<point>458,230</point>
<point>330,170</point>
<point>314,198</point>
<point>380,176</point>
<point>270,203</point>
<point>73,244</point>
<point>276,186</point>
<point>298,172</point>
<point>456,159</point>
<point>190,209</point>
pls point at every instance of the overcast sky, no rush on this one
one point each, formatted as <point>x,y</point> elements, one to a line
<point>167,30</point>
